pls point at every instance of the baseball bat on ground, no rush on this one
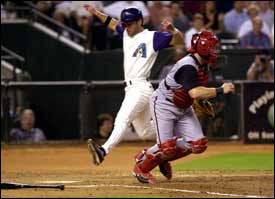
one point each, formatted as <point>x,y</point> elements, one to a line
<point>11,185</point>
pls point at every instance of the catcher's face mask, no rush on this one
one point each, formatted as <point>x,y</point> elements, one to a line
<point>205,43</point>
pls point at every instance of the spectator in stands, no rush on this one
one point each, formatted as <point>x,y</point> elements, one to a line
<point>197,26</point>
<point>62,10</point>
<point>114,9</point>
<point>104,126</point>
<point>179,19</point>
<point>178,54</point>
<point>235,18</point>
<point>253,11</point>
<point>256,38</point>
<point>83,19</point>
<point>27,133</point>
<point>157,10</point>
<point>212,19</point>
<point>262,68</point>
<point>266,13</point>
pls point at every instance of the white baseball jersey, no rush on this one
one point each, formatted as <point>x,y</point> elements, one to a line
<point>141,50</point>
<point>139,55</point>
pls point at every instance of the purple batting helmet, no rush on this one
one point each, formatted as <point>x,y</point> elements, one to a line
<point>129,15</point>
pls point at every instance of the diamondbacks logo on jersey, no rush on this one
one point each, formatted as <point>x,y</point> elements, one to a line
<point>141,50</point>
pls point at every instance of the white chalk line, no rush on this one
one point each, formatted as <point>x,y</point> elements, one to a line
<point>164,189</point>
<point>160,188</point>
<point>58,181</point>
<point>192,175</point>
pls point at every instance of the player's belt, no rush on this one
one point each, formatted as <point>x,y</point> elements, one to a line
<point>127,83</point>
<point>131,82</point>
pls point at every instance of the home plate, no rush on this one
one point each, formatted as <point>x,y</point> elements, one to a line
<point>59,181</point>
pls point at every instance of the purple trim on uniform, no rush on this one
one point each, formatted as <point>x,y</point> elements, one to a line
<point>156,118</point>
<point>161,40</point>
<point>120,30</point>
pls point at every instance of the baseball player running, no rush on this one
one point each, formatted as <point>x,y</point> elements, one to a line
<point>178,130</point>
<point>140,47</point>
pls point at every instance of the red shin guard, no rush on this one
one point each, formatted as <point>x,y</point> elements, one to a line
<point>198,146</point>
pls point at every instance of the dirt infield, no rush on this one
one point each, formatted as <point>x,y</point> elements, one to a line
<point>70,164</point>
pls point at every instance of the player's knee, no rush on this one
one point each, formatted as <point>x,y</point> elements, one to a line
<point>171,151</point>
<point>198,146</point>
<point>147,134</point>
<point>168,148</point>
<point>121,121</point>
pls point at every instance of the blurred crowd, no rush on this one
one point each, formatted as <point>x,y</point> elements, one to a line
<point>250,22</point>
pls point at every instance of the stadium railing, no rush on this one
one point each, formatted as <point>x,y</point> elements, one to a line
<point>93,97</point>
<point>35,14</point>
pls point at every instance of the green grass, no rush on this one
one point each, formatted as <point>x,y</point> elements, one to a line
<point>230,161</point>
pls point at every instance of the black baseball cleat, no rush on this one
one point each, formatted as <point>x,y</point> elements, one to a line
<point>97,152</point>
<point>166,170</point>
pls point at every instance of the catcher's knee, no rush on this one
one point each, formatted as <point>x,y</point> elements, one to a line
<point>198,146</point>
<point>170,150</point>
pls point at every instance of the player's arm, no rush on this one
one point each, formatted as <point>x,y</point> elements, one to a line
<point>107,20</point>
<point>177,37</point>
<point>187,76</point>
<point>201,92</point>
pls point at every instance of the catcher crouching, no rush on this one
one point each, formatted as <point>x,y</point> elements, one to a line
<point>178,130</point>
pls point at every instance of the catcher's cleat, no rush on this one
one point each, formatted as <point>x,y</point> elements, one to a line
<point>143,177</point>
<point>166,169</point>
<point>97,152</point>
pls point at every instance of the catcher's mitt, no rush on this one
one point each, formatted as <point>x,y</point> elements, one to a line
<point>203,108</point>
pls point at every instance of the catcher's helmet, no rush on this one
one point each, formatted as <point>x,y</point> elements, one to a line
<point>204,43</point>
<point>129,15</point>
